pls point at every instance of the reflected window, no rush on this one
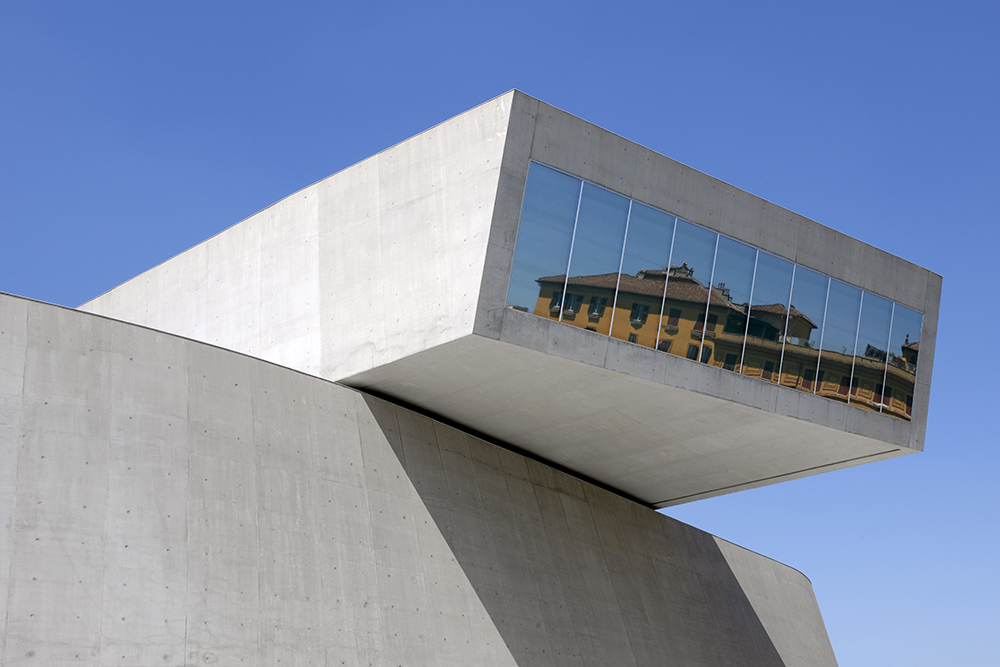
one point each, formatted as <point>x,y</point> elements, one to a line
<point>596,308</point>
<point>555,303</point>
<point>640,311</point>
<point>730,363</point>
<point>807,379</point>
<point>571,305</point>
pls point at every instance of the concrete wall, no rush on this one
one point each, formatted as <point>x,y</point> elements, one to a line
<point>166,502</point>
<point>378,261</point>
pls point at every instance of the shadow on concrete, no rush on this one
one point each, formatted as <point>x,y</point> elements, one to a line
<point>571,574</point>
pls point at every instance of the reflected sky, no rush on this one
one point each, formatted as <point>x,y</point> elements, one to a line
<point>734,264</point>
<point>545,232</point>
<point>694,247</point>
<point>842,309</point>
<point>649,235</point>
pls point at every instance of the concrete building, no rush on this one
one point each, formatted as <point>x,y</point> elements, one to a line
<point>421,412</point>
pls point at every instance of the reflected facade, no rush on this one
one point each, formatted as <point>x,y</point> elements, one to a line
<point>591,258</point>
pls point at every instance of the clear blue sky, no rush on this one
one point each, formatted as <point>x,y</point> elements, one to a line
<point>130,131</point>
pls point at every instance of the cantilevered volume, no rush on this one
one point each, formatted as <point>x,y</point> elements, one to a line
<point>434,274</point>
<point>420,412</point>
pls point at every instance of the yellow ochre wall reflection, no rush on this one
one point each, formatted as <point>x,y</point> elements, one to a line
<point>720,302</point>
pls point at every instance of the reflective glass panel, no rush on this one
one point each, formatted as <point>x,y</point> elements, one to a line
<point>840,332</point>
<point>901,372</point>
<point>772,286</point>
<point>543,241</point>
<point>730,298</point>
<point>800,362</point>
<point>686,299</point>
<point>596,257</point>
<point>870,353</point>
<point>643,276</point>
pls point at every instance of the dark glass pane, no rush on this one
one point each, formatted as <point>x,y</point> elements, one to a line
<point>840,333</point>
<point>870,354</point>
<point>772,286</point>
<point>901,373</point>
<point>803,329</point>
<point>544,236</point>
<point>688,281</point>
<point>643,276</point>
<point>730,298</point>
<point>597,255</point>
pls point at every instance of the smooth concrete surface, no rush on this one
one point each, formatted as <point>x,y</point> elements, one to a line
<point>377,277</point>
<point>378,261</point>
<point>660,444</point>
<point>166,502</point>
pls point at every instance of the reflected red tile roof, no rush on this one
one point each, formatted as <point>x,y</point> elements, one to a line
<point>778,309</point>
<point>678,288</point>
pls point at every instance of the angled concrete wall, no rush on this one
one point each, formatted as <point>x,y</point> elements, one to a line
<point>391,276</point>
<point>166,502</point>
<point>378,261</point>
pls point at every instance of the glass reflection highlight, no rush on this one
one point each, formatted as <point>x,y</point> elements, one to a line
<point>727,313</point>
<point>646,277</point>
<point>807,313</point>
<point>639,301</point>
<point>595,260</point>
<point>544,237</point>
<point>768,318</point>
<point>901,369</point>
<point>836,359</point>
<point>867,384</point>
<point>685,303</point>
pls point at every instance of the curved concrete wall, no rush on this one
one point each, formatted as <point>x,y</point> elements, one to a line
<point>164,502</point>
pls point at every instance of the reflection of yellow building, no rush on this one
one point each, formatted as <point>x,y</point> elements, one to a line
<point>675,321</point>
